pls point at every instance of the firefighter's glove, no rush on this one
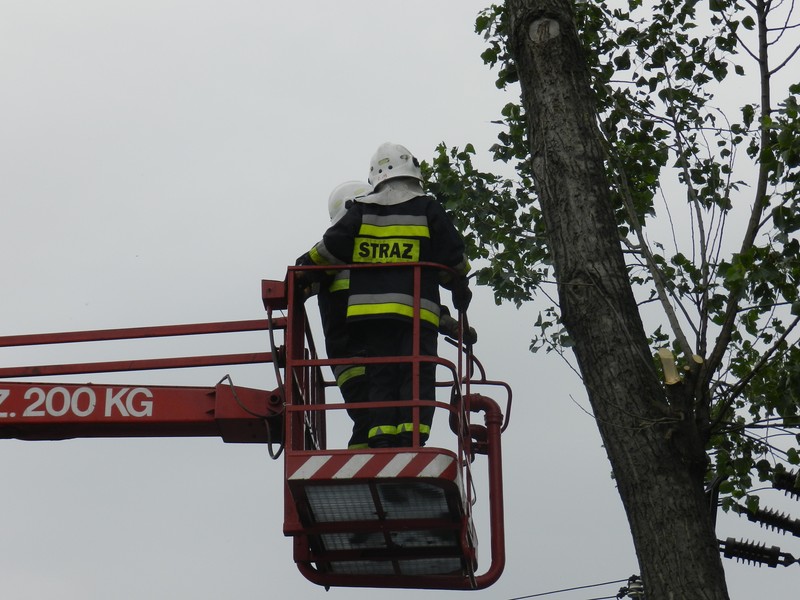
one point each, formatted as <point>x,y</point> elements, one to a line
<point>461,294</point>
<point>470,336</point>
<point>304,282</point>
<point>307,289</point>
<point>449,326</point>
<point>302,260</point>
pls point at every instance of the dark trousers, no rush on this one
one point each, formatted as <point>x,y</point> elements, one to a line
<point>393,381</point>
<point>354,389</point>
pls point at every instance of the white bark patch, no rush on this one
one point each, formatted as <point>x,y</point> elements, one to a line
<point>542,30</point>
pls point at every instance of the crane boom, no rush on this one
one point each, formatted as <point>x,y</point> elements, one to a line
<point>52,411</point>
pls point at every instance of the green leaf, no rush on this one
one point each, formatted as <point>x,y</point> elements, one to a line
<point>716,5</point>
<point>748,114</point>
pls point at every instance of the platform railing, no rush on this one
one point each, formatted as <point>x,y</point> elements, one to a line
<point>307,407</point>
<point>303,363</point>
<point>134,333</point>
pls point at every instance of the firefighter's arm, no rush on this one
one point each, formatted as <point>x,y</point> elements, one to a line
<point>449,250</point>
<point>462,295</point>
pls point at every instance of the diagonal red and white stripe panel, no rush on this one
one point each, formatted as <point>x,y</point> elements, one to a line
<point>371,466</point>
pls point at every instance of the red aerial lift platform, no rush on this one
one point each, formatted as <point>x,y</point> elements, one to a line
<point>395,517</point>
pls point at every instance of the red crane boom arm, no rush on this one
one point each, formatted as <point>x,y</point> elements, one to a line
<point>48,411</point>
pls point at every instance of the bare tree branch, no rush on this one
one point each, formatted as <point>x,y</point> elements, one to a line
<point>760,203</point>
<point>786,61</point>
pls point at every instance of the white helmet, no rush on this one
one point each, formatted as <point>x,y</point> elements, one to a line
<point>390,161</point>
<point>349,190</point>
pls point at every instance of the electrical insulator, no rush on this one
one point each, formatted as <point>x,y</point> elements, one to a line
<point>750,552</point>
<point>771,519</point>
<point>634,589</point>
<point>788,482</point>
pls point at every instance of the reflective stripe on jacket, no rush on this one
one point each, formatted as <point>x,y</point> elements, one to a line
<point>366,305</point>
<point>417,230</point>
<point>424,430</point>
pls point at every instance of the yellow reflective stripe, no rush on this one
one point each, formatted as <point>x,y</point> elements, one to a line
<point>357,446</point>
<point>349,374</point>
<point>339,284</point>
<point>462,268</point>
<point>341,280</point>
<point>315,257</point>
<point>409,427</point>
<point>388,231</point>
<point>382,430</point>
<point>391,308</point>
<point>320,255</point>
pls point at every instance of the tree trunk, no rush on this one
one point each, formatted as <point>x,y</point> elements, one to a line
<point>655,452</point>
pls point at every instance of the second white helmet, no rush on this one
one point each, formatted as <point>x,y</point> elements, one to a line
<point>349,190</point>
<point>390,161</point>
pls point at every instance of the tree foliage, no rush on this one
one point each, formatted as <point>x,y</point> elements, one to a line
<point>700,123</point>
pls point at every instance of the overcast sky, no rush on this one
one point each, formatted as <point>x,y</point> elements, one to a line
<point>159,158</point>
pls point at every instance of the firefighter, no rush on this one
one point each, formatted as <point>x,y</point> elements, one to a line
<point>332,299</point>
<point>397,223</point>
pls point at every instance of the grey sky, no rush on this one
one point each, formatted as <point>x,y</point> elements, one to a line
<point>157,160</point>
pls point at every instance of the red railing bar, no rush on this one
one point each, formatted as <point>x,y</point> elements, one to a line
<point>137,365</point>
<point>494,420</point>
<point>101,335</point>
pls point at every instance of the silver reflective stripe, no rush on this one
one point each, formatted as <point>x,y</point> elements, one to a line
<point>340,282</point>
<point>325,254</point>
<point>384,221</point>
<point>343,274</point>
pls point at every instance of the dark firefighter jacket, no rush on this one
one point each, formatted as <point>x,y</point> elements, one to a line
<point>332,300</point>
<point>417,230</point>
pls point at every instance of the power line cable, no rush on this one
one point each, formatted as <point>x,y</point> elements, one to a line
<point>580,587</point>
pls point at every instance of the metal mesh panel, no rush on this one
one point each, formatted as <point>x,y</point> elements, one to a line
<point>379,514</point>
<point>413,500</point>
<point>425,538</point>
<point>348,541</point>
<point>333,503</point>
<point>363,567</point>
<point>430,566</point>
<point>425,566</point>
